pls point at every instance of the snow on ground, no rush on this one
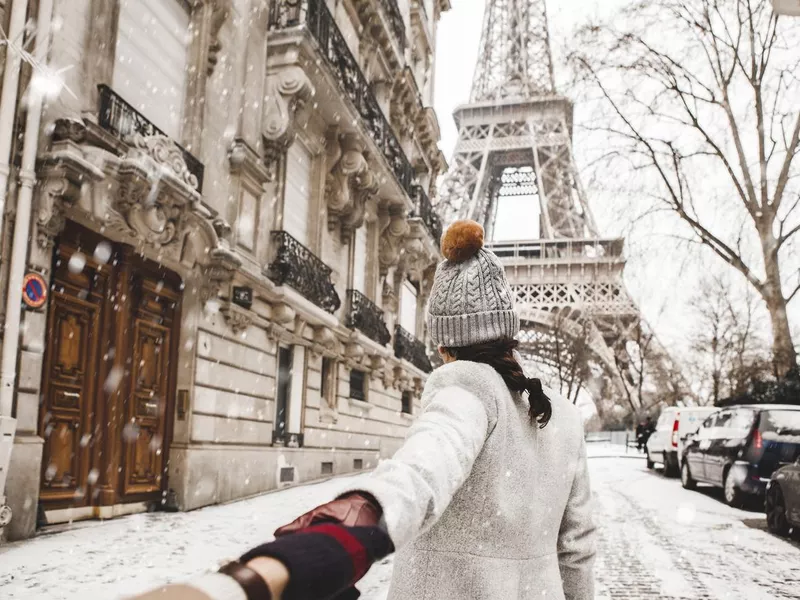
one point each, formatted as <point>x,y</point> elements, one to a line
<point>656,540</point>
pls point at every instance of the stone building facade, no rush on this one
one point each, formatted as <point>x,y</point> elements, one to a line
<point>232,215</point>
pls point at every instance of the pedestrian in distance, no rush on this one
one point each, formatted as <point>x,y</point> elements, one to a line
<point>487,499</point>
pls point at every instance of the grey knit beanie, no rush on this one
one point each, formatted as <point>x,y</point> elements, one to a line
<point>471,301</point>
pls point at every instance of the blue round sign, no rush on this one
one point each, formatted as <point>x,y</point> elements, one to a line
<point>34,290</point>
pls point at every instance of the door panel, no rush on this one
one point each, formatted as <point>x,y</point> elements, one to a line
<point>66,416</point>
<point>150,398</point>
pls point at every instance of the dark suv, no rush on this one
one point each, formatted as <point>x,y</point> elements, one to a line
<point>739,447</point>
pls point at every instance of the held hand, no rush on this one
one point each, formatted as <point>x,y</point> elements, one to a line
<point>352,510</point>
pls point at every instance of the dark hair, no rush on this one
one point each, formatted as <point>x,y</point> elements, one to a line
<point>499,354</point>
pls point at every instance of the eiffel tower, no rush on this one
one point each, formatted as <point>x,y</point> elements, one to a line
<point>515,140</point>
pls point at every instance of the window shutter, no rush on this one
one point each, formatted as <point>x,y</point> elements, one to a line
<point>151,60</point>
<point>360,260</point>
<point>408,308</point>
<point>297,195</point>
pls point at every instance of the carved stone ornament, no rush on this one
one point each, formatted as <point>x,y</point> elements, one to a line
<point>156,193</point>
<point>238,318</point>
<point>418,251</point>
<point>220,10</point>
<point>350,184</point>
<point>325,337</point>
<point>217,273</point>
<point>393,226</point>
<point>288,92</point>
<point>62,173</point>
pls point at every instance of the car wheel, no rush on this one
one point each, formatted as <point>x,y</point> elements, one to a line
<point>733,495</point>
<point>775,507</point>
<point>686,477</point>
<point>669,470</point>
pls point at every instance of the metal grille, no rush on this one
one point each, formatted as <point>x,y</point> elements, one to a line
<point>297,266</point>
<point>407,347</point>
<point>367,317</point>
<point>120,119</point>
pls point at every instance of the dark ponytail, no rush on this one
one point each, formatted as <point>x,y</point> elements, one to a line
<point>499,354</point>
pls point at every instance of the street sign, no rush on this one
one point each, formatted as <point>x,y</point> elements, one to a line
<point>34,290</point>
<point>243,296</point>
<point>790,8</point>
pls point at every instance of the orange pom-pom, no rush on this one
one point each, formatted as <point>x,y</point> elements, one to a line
<point>462,240</point>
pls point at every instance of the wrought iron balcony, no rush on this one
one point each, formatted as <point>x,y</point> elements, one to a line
<point>392,13</point>
<point>407,347</point>
<point>367,317</point>
<point>121,120</point>
<point>315,16</point>
<point>424,210</point>
<point>297,266</point>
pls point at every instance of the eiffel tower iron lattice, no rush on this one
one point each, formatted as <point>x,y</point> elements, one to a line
<point>515,139</point>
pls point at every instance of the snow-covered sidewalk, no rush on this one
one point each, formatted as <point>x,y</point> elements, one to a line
<point>655,540</point>
<point>117,558</point>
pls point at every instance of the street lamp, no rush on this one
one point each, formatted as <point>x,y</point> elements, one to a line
<point>787,7</point>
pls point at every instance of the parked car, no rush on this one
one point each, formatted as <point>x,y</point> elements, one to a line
<point>740,447</point>
<point>783,497</point>
<point>667,441</point>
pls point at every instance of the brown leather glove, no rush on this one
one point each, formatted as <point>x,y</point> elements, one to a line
<point>357,509</point>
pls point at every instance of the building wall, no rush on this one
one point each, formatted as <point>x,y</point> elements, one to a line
<point>223,416</point>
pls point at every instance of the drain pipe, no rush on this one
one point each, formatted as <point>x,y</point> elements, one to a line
<point>8,99</point>
<point>19,248</point>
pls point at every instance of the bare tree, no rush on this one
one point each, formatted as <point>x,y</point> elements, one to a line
<point>700,96</point>
<point>729,350</point>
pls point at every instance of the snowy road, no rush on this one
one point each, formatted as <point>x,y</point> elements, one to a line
<point>656,541</point>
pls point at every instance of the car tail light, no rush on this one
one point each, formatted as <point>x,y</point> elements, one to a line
<point>758,441</point>
<point>675,433</point>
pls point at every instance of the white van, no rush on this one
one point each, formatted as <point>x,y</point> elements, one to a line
<point>666,443</point>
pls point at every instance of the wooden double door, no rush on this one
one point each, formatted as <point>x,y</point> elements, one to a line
<point>108,376</point>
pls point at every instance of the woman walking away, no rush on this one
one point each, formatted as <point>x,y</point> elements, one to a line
<point>488,498</point>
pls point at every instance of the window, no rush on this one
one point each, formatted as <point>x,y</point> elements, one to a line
<point>246,223</point>
<point>358,385</point>
<point>282,391</point>
<point>781,425</point>
<point>408,307</point>
<point>360,260</point>
<point>151,60</point>
<point>407,402</point>
<point>297,195</point>
<point>326,468</point>
<point>328,385</point>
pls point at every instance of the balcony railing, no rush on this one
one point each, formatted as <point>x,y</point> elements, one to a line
<point>367,317</point>
<point>576,251</point>
<point>315,16</point>
<point>297,266</point>
<point>424,210</point>
<point>407,347</point>
<point>392,13</point>
<point>120,119</point>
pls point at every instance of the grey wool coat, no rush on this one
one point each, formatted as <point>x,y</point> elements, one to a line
<point>481,504</point>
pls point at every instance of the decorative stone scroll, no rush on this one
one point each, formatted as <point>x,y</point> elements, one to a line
<point>350,183</point>
<point>393,227</point>
<point>288,92</point>
<point>220,10</point>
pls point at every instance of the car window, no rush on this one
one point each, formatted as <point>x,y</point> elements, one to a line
<point>741,421</point>
<point>780,425</point>
<point>665,420</point>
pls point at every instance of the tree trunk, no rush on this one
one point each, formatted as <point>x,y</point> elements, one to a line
<point>784,356</point>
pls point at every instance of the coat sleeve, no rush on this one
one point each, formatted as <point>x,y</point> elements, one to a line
<point>418,483</point>
<point>576,537</point>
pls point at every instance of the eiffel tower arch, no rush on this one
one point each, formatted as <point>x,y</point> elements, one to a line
<point>515,140</point>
